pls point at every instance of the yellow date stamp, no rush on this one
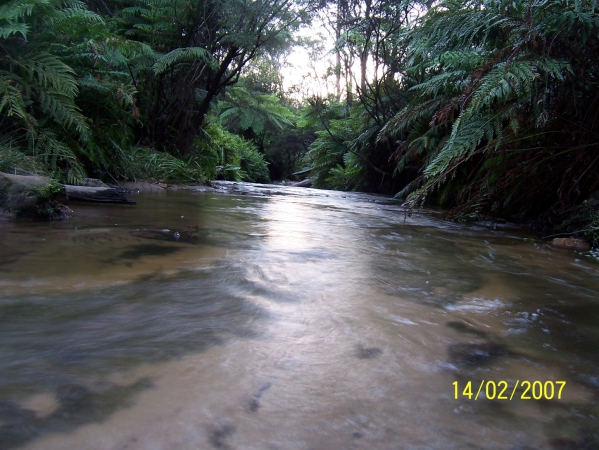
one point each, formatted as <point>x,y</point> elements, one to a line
<point>501,390</point>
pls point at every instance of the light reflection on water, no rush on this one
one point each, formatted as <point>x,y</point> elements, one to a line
<point>310,320</point>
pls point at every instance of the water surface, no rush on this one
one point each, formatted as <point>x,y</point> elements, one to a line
<point>288,319</point>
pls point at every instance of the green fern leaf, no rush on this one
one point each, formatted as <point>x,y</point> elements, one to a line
<point>11,99</point>
<point>180,55</point>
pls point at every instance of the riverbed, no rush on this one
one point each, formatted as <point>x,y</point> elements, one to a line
<point>290,318</point>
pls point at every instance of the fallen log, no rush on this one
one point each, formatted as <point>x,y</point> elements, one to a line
<point>305,183</point>
<point>302,172</point>
<point>299,175</point>
<point>96,194</point>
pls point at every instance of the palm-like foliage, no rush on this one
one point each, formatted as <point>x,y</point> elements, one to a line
<point>37,89</point>
<point>109,69</point>
<point>201,49</point>
<point>232,156</point>
<point>502,91</point>
<point>78,93</point>
<point>344,154</point>
<point>258,114</point>
<point>332,135</point>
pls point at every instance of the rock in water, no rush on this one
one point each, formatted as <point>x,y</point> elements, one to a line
<point>32,196</point>
<point>572,243</point>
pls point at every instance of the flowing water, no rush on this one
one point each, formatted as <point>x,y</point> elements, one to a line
<point>290,319</point>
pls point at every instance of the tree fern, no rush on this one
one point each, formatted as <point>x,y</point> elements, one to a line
<point>491,78</point>
<point>445,82</point>
<point>60,108</point>
<point>181,55</point>
<point>253,111</point>
<point>13,28</point>
<point>465,137</point>
<point>77,11</point>
<point>58,157</point>
<point>38,89</point>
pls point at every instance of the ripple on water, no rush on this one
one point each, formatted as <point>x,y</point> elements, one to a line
<point>291,321</point>
<point>476,305</point>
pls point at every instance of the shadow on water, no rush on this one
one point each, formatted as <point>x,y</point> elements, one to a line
<point>11,259</point>
<point>66,343</point>
<point>78,405</point>
<point>141,250</point>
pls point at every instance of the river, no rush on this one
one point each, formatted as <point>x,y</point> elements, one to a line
<point>289,318</point>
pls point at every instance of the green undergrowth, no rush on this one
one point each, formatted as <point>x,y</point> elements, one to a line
<point>228,156</point>
<point>219,155</point>
<point>16,162</point>
<point>148,164</point>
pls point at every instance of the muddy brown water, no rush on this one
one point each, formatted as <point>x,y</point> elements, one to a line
<point>289,318</point>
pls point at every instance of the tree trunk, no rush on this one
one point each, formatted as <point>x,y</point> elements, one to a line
<point>365,51</point>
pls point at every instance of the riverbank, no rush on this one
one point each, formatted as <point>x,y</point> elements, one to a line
<point>574,240</point>
<point>558,238</point>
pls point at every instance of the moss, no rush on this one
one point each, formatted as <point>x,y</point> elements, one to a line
<point>47,205</point>
<point>50,190</point>
<point>39,203</point>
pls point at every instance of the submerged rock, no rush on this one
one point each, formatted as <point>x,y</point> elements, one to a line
<point>472,354</point>
<point>465,328</point>
<point>17,425</point>
<point>220,435</point>
<point>255,401</point>
<point>368,352</point>
<point>74,398</point>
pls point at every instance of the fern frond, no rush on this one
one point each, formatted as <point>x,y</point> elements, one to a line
<point>466,136</point>
<point>11,99</point>
<point>180,55</point>
<point>10,29</point>
<point>14,159</point>
<point>48,71</point>
<point>407,116</point>
<point>503,83</point>
<point>446,82</point>
<point>18,9</point>
<point>58,157</point>
<point>60,108</point>
<point>69,14</point>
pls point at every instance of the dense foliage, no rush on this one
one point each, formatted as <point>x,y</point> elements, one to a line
<point>488,107</point>
<point>503,106</point>
<point>126,89</point>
